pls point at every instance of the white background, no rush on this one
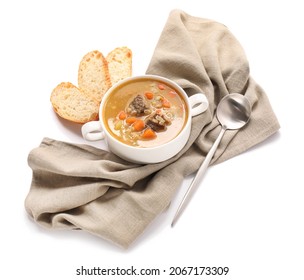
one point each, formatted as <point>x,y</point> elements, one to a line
<point>247,213</point>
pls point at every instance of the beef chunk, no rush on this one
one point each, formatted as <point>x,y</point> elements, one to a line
<point>158,122</point>
<point>138,106</point>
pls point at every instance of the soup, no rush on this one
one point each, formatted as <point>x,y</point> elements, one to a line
<point>144,113</point>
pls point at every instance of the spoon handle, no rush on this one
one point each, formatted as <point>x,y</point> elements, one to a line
<point>199,175</point>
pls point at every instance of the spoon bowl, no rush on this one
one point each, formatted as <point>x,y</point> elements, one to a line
<point>233,112</point>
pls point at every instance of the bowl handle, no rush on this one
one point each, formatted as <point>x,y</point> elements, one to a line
<point>92,131</point>
<point>198,103</point>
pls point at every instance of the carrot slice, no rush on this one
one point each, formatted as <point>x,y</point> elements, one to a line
<point>149,134</point>
<point>139,125</point>
<point>166,103</point>
<point>122,115</point>
<point>131,120</point>
<point>161,86</point>
<point>172,93</point>
<point>149,95</point>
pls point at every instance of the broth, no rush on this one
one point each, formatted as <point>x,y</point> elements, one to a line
<point>144,113</point>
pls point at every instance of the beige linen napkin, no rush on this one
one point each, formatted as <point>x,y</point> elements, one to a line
<point>81,187</point>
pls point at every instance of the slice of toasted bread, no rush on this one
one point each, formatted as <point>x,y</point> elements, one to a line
<point>93,75</point>
<point>70,103</point>
<point>119,64</point>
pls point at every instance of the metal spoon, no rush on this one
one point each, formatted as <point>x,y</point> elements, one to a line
<point>233,112</point>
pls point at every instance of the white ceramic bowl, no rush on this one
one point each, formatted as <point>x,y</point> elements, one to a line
<point>96,130</point>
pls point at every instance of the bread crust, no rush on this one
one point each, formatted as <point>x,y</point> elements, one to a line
<point>93,75</point>
<point>70,103</point>
<point>120,64</point>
